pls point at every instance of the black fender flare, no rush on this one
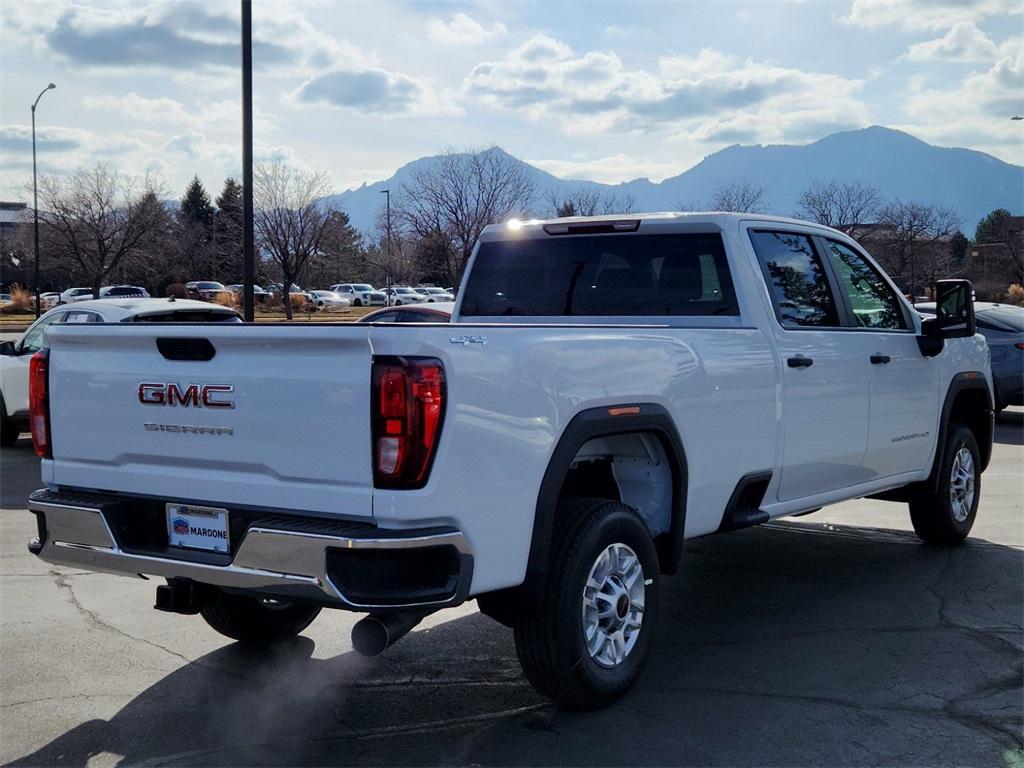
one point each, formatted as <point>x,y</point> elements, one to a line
<point>586,425</point>
<point>964,381</point>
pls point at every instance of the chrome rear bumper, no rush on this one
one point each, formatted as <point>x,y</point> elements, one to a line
<point>74,531</point>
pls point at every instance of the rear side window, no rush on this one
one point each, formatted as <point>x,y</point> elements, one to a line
<point>612,275</point>
<point>796,279</point>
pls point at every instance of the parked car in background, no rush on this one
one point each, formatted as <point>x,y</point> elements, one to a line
<point>275,289</point>
<point>259,295</point>
<point>1002,325</point>
<point>329,300</point>
<point>362,294</point>
<point>440,312</point>
<point>49,300</point>
<point>123,291</point>
<point>5,298</point>
<point>434,294</point>
<point>71,295</point>
<point>403,294</point>
<point>204,290</point>
<point>15,355</point>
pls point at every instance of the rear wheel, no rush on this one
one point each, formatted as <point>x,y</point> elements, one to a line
<point>256,620</point>
<point>587,645</point>
<point>945,514</point>
<point>359,302</point>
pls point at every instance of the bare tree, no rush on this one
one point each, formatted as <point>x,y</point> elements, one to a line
<point>581,201</point>
<point>915,242</point>
<point>739,196</point>
<point>459,194</point>
<point>290,222</point>
<point>95,218</point>
<point>845,206</point>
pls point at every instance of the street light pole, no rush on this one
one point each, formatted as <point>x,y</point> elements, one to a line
<point>248,259</point>
<point>35,196</point>
<point>387,245</point>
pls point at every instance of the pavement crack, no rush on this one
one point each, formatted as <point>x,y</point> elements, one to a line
<point>63,581</point>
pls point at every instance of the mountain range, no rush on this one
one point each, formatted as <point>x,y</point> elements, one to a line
<point>972,183</point>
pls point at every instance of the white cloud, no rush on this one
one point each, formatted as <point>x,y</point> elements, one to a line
<point>463,30</point>
<point>976,111</point>
<point>963,43</point>
<point>710,96</point>
<point>926,14</point>
<point>611,169</point>
<point>376,91</point>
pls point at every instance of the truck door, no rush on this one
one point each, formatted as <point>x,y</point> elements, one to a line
<point>903,383</point>
<point>824,388</point>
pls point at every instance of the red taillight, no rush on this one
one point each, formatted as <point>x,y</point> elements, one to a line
<point>408,407</point>
<point>39,402</point>
<point>1019,345</point>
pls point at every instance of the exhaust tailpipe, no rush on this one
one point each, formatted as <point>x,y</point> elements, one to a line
<point>375,633</point>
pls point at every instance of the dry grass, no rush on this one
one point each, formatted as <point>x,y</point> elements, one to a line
<point>1015,295</point>
<point>23,302</point>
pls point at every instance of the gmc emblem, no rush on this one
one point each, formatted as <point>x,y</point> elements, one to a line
<point>194,395</point>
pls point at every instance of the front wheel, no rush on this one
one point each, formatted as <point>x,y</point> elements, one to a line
<point>259,621</point>
<point>359,302</point>
<point>587,645</point>
<point>945,514</point>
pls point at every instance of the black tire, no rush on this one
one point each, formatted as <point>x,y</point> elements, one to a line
<point>251,620</point>
<point>9,430</point>
<point>359,302</point>
<point>934,511</point>
<point>551,643</point>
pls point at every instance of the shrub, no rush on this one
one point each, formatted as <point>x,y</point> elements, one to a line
<point>177,290</point>
<point>1015,294</point>
<point>228,299</point>
<point>22,299</point>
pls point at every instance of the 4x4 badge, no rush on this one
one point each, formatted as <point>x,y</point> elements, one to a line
<point>467,340</point>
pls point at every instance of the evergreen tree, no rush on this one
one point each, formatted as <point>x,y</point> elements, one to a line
<point>992,229</point>
<point>227,230</point>
<point>195,217</point>
<point>195,205</point>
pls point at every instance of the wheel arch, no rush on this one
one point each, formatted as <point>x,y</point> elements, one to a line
<point>969,401</point>
<point>586,426</point>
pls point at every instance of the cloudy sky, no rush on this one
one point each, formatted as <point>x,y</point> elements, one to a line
<point>600,90</point>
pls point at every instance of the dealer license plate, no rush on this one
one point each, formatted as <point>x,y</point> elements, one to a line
<point>198,527</point>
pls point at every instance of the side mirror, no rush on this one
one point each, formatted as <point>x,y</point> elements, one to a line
<point>954,316</point>
<point>8,349</point>
<point>954,308</point>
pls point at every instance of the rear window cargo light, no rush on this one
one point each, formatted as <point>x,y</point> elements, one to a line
<point>593,227</point>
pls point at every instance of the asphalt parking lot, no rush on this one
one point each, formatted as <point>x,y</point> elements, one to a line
<point>832,639</point>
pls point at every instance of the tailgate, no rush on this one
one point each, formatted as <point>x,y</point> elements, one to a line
<point>278,418</point>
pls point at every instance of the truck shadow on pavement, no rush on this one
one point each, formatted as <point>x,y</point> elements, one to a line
<point>791,643</point>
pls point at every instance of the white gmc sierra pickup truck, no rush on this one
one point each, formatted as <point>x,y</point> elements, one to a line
<point>608,388</point>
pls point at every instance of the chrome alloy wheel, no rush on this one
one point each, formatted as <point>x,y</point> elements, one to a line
<point>613,605</point>
<point>961,484</point>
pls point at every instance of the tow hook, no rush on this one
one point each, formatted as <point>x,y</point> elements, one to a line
<point>374,634</point>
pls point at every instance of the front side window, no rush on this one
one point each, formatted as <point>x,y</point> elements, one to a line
<point>873,302</point>
<point>32,341</point>
<point>612,275</point>
<point>796,279</point>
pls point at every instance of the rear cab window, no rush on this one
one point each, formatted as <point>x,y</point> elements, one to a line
<point>681,274</point>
